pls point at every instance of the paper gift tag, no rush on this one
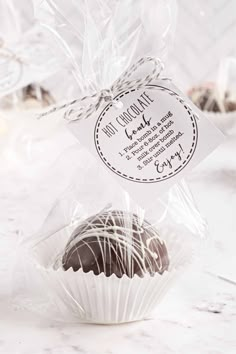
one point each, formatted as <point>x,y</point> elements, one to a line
<point>152,141</point>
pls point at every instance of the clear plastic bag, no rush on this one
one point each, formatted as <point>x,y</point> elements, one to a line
<point>101,39</point>
<point>100,256</point>
<point>29,80</point>
<point>27,52</point>
<point>218,99</point>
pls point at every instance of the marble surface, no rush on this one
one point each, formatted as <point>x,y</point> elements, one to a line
<point>198,316</point>
<point>199,324</point>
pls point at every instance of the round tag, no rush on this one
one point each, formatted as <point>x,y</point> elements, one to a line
<point>150,139</point>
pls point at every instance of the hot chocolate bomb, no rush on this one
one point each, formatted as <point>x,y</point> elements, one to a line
<point>116,242</point>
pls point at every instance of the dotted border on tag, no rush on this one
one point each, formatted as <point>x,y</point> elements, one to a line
<point>149,180</point>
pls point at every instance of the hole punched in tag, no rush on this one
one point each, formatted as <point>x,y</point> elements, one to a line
<point>117,104</point>
<point>108,96</point>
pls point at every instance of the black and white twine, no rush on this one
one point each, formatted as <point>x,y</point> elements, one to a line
<point>78,109</point>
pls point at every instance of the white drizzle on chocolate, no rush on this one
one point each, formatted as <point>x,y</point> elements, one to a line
<point>116,242</point>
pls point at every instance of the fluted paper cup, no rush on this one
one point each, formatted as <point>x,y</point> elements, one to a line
<point>87,297</point>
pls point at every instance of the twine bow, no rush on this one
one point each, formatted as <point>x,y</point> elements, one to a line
<point>77,109</point>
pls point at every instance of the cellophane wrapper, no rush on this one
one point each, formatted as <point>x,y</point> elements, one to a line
<point>225,96</point>
<point>28,52</point>
<point>34,73</point>
<point>100,257</point>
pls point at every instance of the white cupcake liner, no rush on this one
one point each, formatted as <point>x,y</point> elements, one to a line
<point>87,297</point>
<point>226,122</point>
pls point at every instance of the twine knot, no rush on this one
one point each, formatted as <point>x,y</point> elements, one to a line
<point>106,95</point>
<point>84,107</point>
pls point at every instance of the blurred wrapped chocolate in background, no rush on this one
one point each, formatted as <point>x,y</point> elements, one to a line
<point>31,97</point>
<point>218,99</point>
<point>207,98</point>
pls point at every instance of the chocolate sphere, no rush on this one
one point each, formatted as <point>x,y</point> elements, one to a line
<point>116,242</point>
<point>207,98</point>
